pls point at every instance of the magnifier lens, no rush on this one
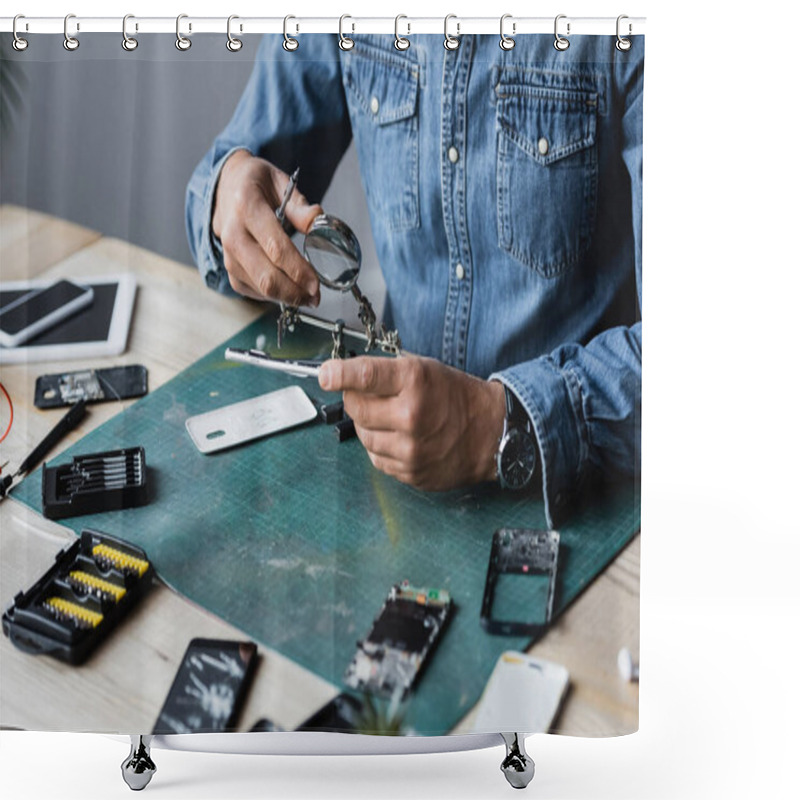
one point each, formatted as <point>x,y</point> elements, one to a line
<point>334,252</point>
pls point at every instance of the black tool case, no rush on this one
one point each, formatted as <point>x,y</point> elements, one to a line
<point>97,575</point>
<point>95,482</point>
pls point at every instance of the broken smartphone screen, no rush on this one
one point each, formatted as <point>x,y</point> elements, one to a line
<point>209,687</point>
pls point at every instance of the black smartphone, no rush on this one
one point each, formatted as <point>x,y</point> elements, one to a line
<point>209,687</point>
<point>340,715</point>
<point>36,311</point>
<point>90,385</point>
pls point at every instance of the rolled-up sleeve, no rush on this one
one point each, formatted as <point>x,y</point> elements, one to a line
<point>584,401</point>
<point>293,113</point>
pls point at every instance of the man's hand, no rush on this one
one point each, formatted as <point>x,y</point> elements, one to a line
<point>260,258</point>
<point>426,424</point>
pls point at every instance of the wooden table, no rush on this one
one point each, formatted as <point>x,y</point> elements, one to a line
<point>128,677</point>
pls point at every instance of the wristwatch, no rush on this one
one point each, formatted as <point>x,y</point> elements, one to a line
<point>516,456</point>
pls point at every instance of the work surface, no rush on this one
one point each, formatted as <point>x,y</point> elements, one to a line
<point>332,534</point>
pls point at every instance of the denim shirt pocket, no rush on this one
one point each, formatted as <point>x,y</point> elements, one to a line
<point>546,168</point>
<point>382,95</point>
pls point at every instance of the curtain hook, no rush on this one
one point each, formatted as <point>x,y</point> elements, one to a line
<point>451,42</point>
<point>345,42</point>
<point>129,43</point>
<point>290,44</point>
<point>19,44</point>
<point>233,44</point>
<point>70,42</point>
<point>400,42</point>
<point>507,42</point>
<point>181,42</point>
<point>623,45</point>
<point>561,43</point>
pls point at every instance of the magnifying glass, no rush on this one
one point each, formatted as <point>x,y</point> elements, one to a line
<point>333,251</point>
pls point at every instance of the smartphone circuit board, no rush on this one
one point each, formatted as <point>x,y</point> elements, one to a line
<point>390,658</point>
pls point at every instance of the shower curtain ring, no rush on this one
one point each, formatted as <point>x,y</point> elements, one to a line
<point>451,42</point>
<point>181,42</point>
<point>70,42</point>
<point>289,43</point>
<point>561,43</point>
<point>129,43</point>
<point>400,42</point>
<point>233,44</point>
<point>623,45</point>
<point>345,42</point>
<point>507,42</point>
<point>19,44</point>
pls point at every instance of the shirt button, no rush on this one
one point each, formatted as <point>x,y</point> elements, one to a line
<point>460,271</point>
<point>374,105</point>
<point>452,154</point>
<point>544,146</point>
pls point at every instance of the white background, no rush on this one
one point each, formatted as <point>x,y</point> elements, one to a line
<point>720,598</point>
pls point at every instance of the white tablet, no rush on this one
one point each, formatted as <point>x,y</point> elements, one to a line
<point>100,329</point>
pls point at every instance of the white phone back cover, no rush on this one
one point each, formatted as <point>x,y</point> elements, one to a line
<point>523,695</point>
<point>250,419</point>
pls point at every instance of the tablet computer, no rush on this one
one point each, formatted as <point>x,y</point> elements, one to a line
<point>100,329</point>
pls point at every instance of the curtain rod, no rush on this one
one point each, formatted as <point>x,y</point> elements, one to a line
<point>189,25</point>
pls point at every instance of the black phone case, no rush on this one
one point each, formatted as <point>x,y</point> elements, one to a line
<point>92,385</point>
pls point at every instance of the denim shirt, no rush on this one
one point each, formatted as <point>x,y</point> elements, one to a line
<point>505,198</point>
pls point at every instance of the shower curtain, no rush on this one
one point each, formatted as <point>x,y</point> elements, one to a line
<point>448,541</point>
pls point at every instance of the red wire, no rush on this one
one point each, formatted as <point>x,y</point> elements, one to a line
<point>11,408</point>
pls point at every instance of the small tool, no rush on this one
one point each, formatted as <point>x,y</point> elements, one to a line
<point>280,213</point>
<point>287,194</point>
<point>67,423</point>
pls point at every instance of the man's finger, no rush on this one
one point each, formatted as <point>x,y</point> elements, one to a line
<point>390,467</point>
<point>279,249</point>
<point>371,411</point>
<point>370,374</point>
<point>300,213</point>
<point>237,277</point>
<point>391,445</point>
<point>265,278</point>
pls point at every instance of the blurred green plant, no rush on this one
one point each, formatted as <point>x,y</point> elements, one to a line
<point>381,718</point>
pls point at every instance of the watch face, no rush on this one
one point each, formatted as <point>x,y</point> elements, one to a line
<point>517,459</point>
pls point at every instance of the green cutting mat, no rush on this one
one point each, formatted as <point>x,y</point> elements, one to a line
<point>296,539</point>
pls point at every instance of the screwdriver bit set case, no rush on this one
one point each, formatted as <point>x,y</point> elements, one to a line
<point>80,599</point>
<point>95,482</point>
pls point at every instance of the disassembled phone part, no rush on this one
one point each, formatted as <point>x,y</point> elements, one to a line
<point>91,385</point>
<point>519,551</point>
<point>250,419</point>
<point>403,634</point>
<point>258,358</point>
